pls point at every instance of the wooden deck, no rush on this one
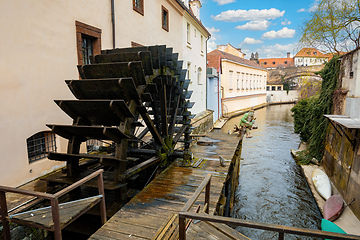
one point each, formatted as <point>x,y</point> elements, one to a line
<point>147,212</point>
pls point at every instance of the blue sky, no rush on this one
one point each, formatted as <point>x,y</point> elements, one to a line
<point>270,27</point>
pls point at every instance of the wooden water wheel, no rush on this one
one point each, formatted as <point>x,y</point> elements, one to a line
<point>134,99</point>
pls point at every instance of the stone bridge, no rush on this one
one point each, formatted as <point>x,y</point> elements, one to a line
<point>275,76</point>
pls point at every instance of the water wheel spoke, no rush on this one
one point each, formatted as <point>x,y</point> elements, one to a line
<point>163,107</point>
<point>150,125</point>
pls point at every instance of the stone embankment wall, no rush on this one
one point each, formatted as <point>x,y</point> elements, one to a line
<point>203,122</point>
<point>341,158</point>
<point>342,164</point>
<point>273,97</point>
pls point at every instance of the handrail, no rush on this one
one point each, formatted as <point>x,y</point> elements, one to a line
<point>281,229</point>
<point>54,202</point>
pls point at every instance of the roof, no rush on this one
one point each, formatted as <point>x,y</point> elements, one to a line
<point>215,56</point>
<point>188,10</point>
<point>276,62</point>
<point>312,52</point>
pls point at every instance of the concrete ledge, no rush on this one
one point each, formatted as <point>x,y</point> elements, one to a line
<point>347,220</point>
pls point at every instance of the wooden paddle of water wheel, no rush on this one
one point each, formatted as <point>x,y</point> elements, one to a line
<point>136,101</point>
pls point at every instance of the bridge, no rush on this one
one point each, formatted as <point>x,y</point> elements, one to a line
<point>276,76</point>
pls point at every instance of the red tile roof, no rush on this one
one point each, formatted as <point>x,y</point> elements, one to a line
<point>312,52</point>
<point>215,56</point>
<point>276,62</point>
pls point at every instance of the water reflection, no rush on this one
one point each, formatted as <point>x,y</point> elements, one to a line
<point>272,188</point>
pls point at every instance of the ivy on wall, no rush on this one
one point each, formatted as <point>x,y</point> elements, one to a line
<point>308,113</point>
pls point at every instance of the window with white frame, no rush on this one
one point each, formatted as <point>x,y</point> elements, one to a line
<point>188,32</point>
<point>199,72</point>
<point>230,79</point>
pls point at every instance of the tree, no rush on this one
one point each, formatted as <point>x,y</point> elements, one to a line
<point>335,25</point>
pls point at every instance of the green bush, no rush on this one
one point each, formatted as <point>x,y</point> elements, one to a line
<point>308,113</point>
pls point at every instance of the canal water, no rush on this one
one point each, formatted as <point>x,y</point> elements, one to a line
<point>272,188</point>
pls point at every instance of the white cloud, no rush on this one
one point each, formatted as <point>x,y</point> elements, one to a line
<point>312,8</point>
<point>213,30</point>
<point>255,25</point>
<point>283,33</point>
<point>277,51</point>
<point>211,44</point>
<point>252,41</point>
<point>223,2</point>
<point>286,22</point>
<point>301,10</point>
<point>248,15</point>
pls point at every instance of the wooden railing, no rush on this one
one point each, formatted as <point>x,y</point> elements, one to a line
<point>57,225</point>
<point>281,229</point>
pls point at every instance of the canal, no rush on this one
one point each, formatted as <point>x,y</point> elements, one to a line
<point>272,188</point>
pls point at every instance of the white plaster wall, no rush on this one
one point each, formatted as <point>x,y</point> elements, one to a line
<point>282,96</point>
<point>232,105</point>
<point>195,54</point>
<point>147,29</point>
<point>231,88</point>
<point>38,52</point>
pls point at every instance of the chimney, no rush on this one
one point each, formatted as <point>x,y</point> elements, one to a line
<point>195,6</point>
<point>288,54</point>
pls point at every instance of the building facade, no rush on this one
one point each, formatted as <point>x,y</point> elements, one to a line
<point>43,43</point>
<point>310,57</point>
<point>243,82</point>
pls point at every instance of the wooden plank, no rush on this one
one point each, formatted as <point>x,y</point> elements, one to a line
<point>131,171</point>
<point>105,234</point>
<point>98,89</point>
<point>85,132</point>
<point>68,212</point>
<point>96,112</point>
<point>143,56</point>
<point>227,230</point>
<point>129,229</point>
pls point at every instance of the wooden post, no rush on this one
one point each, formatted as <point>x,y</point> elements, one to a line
<point>4,216</point>
<point>207,196</point>
<point>56,218</point>
<point>102,203</point>
<point>281,236</point>
<point>182,230</point>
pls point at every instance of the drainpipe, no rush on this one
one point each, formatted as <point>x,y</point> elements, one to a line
<point>113,22</point>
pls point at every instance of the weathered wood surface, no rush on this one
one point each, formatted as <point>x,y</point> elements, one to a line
<point>147,212</point>
<point>67,211</point>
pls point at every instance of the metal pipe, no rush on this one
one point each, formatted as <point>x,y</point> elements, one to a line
<point>113,22</point>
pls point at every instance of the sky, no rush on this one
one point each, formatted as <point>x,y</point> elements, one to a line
<point>269,27</point>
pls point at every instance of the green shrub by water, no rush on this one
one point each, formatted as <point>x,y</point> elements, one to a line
<point>308,113</point>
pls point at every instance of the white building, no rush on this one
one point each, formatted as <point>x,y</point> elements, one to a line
<point>243,82</point>
<point>43,42</point>
<point>310,57</point>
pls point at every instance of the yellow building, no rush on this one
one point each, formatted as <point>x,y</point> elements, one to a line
<point>243,82</point>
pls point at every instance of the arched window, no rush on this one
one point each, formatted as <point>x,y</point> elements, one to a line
<point>199,76</point>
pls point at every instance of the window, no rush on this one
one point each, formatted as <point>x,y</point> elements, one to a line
<point>135,44</point>
<point>138,6</point>
<point>199,76</point>
<point>93,145</point>
<point>188,70</point>
<point>279,88</point>
<point>165,18</point>
<point>285,62</point>
<point>267,88</point>
<point>237,80</point>
<point>40,143</point>
<point>265,63</point>
<point>272,88</point>
<point>87,49</point>
<point>88,42</point>
<point>188,32</point>
<point>202,43</point>
<point>230,80</point>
